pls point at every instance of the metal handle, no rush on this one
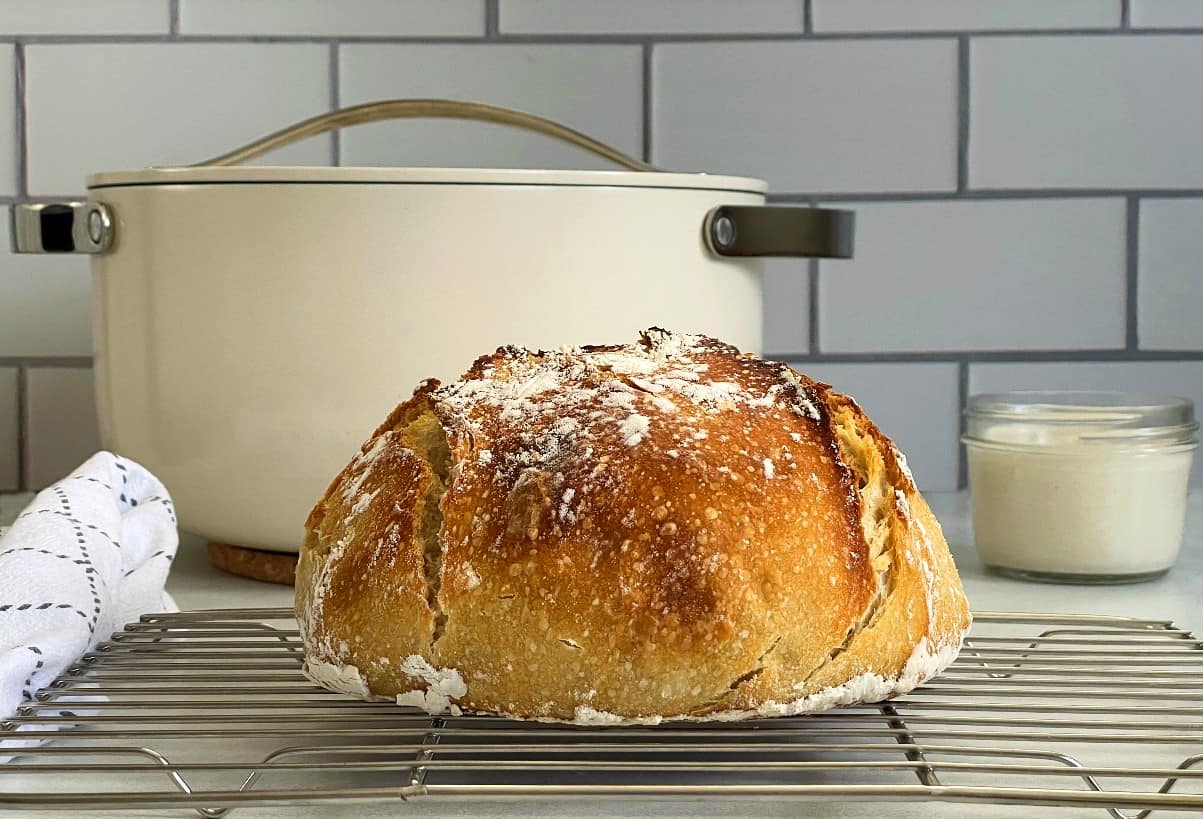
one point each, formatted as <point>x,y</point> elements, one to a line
<point>752,230</point>
<point>422,108</point>
<point>62,227</point>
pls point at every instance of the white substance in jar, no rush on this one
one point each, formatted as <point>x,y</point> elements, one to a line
<point>1079,486</point>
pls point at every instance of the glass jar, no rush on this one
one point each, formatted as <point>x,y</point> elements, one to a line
<point>1079,487</point>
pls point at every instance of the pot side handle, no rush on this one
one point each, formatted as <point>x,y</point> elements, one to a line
<point>61,227</point>
<point>768,230</point>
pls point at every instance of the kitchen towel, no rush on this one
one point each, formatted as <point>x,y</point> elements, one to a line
<point>88,555</point>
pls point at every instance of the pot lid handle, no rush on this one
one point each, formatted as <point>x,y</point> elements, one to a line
<point>422,109</point>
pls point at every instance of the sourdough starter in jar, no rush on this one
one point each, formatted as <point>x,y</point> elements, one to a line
<point>1079,486</point>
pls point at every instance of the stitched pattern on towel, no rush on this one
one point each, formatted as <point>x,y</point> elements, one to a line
<point>89,569</point>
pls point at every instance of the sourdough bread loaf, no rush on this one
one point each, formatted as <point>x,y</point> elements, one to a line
<point>664,530</point>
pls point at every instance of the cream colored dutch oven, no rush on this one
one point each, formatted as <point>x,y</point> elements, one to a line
<point>253,324</point>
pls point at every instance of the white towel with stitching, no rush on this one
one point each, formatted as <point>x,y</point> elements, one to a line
<point>88,555</point>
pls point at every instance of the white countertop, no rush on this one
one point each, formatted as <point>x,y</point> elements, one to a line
<point>196,585</point>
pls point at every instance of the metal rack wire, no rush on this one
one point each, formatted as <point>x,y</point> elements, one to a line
<point>208,711</point>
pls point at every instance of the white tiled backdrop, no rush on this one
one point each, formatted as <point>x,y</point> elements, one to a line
<point>1028,174</point>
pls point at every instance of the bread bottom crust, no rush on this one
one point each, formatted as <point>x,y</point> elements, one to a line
<point>924,663</point>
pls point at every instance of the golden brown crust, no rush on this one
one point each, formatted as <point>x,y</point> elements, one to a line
<point>663,529</point>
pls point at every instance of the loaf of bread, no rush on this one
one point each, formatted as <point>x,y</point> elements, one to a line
<point>627,534</point>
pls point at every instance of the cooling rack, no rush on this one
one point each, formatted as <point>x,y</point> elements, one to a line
<point>207,711</point>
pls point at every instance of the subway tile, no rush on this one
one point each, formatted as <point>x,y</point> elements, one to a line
<point>347,18</point>
<point>63,430</point>
<point>1178,378</point>
<point>916,405</point>
<point>92,17</point>
<point>8,122</point>
<point>44,303</point>
<point>1170,300</point>
<point>594,89</point>
<point>963,15</point>
<point>650,17</point>
<point>10,478</point>
<point>166,104</point>
<point>1167,14</point>
<point>814,117</point>
<point>1086,112</point>
<point>786,307</point>
<point>978,275</point>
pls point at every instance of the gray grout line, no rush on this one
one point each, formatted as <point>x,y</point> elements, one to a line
<point>812,307</point>
<point>813,285</point>
<point>962,402</point>
<point>569,39</point>
<point>492,19</point>
<point>22,430</point>
<point>808,16</point>
<point>336,143</point>
<point>1125,15</point>
<point>173,18</point>
<point>26,361</point>
<point>962,114</point>
<point>1131,273</point>
<point>646,64</point>
<point>993,356</point>
<point>990,194</point>
<point>22,109</point>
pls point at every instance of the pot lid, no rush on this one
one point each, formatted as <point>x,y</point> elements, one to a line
<point>217,175</point>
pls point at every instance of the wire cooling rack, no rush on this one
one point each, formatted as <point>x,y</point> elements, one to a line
<point>208,711</point>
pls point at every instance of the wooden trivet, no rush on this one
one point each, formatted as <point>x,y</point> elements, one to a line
<point>270,567</point>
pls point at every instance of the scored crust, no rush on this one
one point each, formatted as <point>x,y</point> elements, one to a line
<point>669,529</point>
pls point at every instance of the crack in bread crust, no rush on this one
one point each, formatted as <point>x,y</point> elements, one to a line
<point>426,437</point>
<point>874,502</point>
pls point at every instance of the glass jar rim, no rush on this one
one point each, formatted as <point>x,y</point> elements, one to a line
<point>1084,417</point>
